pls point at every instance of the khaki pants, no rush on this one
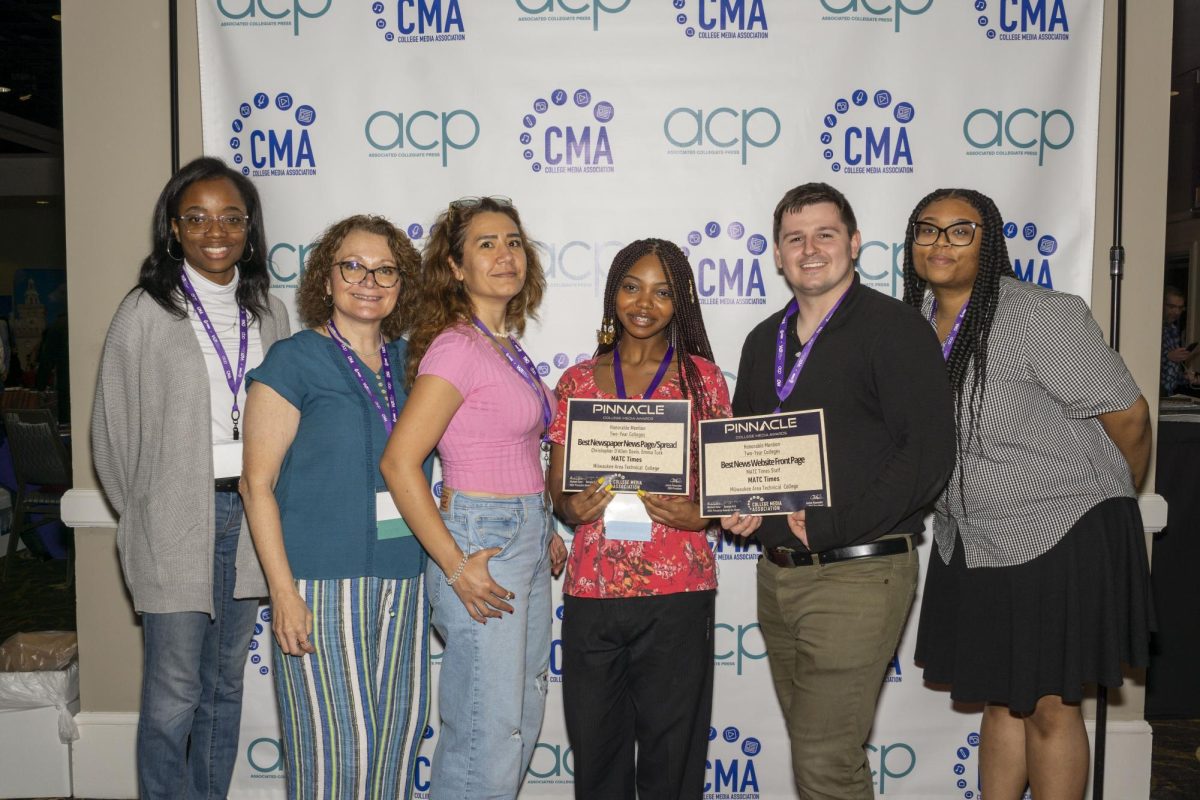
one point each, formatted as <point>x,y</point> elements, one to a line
<point>830,632</point>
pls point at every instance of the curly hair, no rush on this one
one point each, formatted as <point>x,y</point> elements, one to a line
<point>160,272</point>
<point>441,299</point>
<point>311,302</point>
<point>971,345</point>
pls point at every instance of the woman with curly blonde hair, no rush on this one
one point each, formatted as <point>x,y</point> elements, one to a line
<point>477,397</point>
<point>348,609</point>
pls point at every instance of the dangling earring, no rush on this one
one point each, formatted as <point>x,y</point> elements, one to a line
<point>607,332</point>
<point>247,258</point>
<point>171,255</point>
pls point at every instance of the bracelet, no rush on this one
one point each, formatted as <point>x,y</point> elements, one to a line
<point>458,572</point>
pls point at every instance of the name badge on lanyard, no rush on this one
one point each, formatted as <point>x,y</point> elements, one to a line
<point>388,522</point>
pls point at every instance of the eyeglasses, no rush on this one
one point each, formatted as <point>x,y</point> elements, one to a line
<point>960,234</point>
<point>386,276</point>
<point>473,202</point>
<point>202,223</point>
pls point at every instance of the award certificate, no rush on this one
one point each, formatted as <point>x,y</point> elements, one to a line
<point>769,464</point>
<point>637,444</point>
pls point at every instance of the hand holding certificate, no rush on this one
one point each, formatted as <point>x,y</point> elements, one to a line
<point>639,444</point>
<point>769,464</point>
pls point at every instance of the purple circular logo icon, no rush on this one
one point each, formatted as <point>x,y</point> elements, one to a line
<point>235,142</point>
<point>528,154</point>
<point>830,121</point>
<point>263,671</point>
<point>712,733</point>
<point>244,109</point>
<point>904,112</point>
<point>826,137</point>
<point>980,5</point>
<point>377,8</point>
<point>558,612</point>
<point>254,644</point>
<point>558,97</point>
<point>680,3</point>
<point>712,230</point>
<point>258,629</point>
<point>731,734</point>
<point>437,489</point>
<point>540,105</point>
<point>529,120</point>
<point>1047,245</point>
<point>694,238</point>
<point>380,23</point>
<point>237,126</point>
<point>265,614</point>
<point>883,98</point>
<point>526,138</point>
<point>416,231</point>
<point>751,746</point>
<point>582,357</point>
<point>1010,229</point>
<point>306,115</point>
<point>963,752</point>
<point>757,244</point>
<point>583,98</point>
<point>859,97</point>
<point>1029,231</point>
<point>283,101</point>
<point>735,230</point>
<point>543,368</point>
<point>681,18</point>
<point>261,100</point>
<point>841,106</point>
<point>237,158</point>
<point>561,360</point>
<point>604,111</point>
<point>256,659</point>
<point>827,153</point>
<point>537,166</point>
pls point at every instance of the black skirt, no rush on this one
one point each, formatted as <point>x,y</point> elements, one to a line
<point>1070,617</point>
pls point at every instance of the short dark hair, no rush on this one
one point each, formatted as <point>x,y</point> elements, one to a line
<point>809,194</point>
<point>1173,291</point>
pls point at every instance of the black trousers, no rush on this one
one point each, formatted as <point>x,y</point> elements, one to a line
<point>638,669</point>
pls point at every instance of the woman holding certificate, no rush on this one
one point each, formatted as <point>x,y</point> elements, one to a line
<point>638,610</point>
<point>478,398</point>
<point>348,613</point>
<point>1039,585</point>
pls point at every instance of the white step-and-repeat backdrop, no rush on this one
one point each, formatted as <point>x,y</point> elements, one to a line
<point>611,120</point>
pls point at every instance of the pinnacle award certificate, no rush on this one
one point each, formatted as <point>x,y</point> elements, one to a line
<point>635,444</point>
<point>768,464</point>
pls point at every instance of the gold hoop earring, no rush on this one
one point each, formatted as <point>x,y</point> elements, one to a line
<point>608,331</point>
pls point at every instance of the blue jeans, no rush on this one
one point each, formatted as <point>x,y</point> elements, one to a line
<point>492,687</point>
<point>192,682</point>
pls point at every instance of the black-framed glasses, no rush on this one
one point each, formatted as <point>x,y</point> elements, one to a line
<point>473,202</point>
<point>202,223</point>
<point>958,234</point>
<point>386,276</point>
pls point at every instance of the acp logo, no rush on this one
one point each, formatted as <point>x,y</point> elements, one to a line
<point>569,10</point>
<point>411,21</point>
<point>736,644</point>
<point>552,762</point>
<point>420,134</point>
<point>270,13</point>
<point>729,770</point>
<point>265,758</point>
<point>722,19</point>
<point>873,11</point>
<point>568,134</point>
<point>881,266</point>
<point>274,137</point>
<point>1023,132</point>
<point>868,133</point>
<point>1037,251</point>
<point>894,761</point>
<point>1023,20</point>
<point>578,263</point>
<point>722,131</point>
<point>728,547</point>
<point>286,262</point>
<point>727,264</point>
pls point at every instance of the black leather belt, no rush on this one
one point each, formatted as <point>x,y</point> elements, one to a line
<point>226,484</point>
<point>783,557</point>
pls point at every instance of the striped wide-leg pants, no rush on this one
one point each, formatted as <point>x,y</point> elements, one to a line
<point>353,712</point>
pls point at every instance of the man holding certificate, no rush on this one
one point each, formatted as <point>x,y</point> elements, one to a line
<point>838,574</point>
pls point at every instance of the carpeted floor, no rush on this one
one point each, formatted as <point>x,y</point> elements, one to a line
<point>36,597</point>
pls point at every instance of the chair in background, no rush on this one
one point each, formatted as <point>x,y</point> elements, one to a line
<point>39,460</point>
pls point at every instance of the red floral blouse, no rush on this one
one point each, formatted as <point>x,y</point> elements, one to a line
<point>673,560</point>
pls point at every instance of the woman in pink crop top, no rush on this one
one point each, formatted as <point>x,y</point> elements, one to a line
<point>638,609</point>
<point>478,398</point>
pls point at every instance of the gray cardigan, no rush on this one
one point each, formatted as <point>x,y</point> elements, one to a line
<point>152,448</point>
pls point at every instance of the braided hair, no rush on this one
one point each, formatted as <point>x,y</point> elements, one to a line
<point>971,345</point>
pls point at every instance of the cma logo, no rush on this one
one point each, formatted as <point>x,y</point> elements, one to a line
<point>283,148</point>
<point>894,761</point>
<point>285,262</point>
<point>568,134</point>
<point>893,674</point>
<point>1024,19</point>
<point>877,10</point>
<point>420,21</point>
<point>1035,268</point>
<point>734,645</point>
<point>735,274</point>
<point>722,19</point>
<point>729,547</point>
<point>272,12</point>
<point>878,144</point>
<point>732,770</point>
<point>423,767</point>
<point>1025,129</point>
<point>881,265</point>
<point>551,763</point>
<point>580,9</point>
<point>732,131</point>
<point>421,133</point>
<point>578,263</point>
<point>265,756</point>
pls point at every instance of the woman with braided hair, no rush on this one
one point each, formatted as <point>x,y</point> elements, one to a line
<point>1041,582</point>
<point>638,614</point>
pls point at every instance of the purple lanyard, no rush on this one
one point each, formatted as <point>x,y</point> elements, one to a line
<point>389,419</point>
<point>948,345</point>
<point>783,388</point>
<point>234,381</point>
<point>526,370</point>
<point>619,378</point>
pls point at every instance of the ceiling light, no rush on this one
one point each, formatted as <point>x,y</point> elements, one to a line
<point>42,202</point>
<point>25,97</point>
<point>4,90</point>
